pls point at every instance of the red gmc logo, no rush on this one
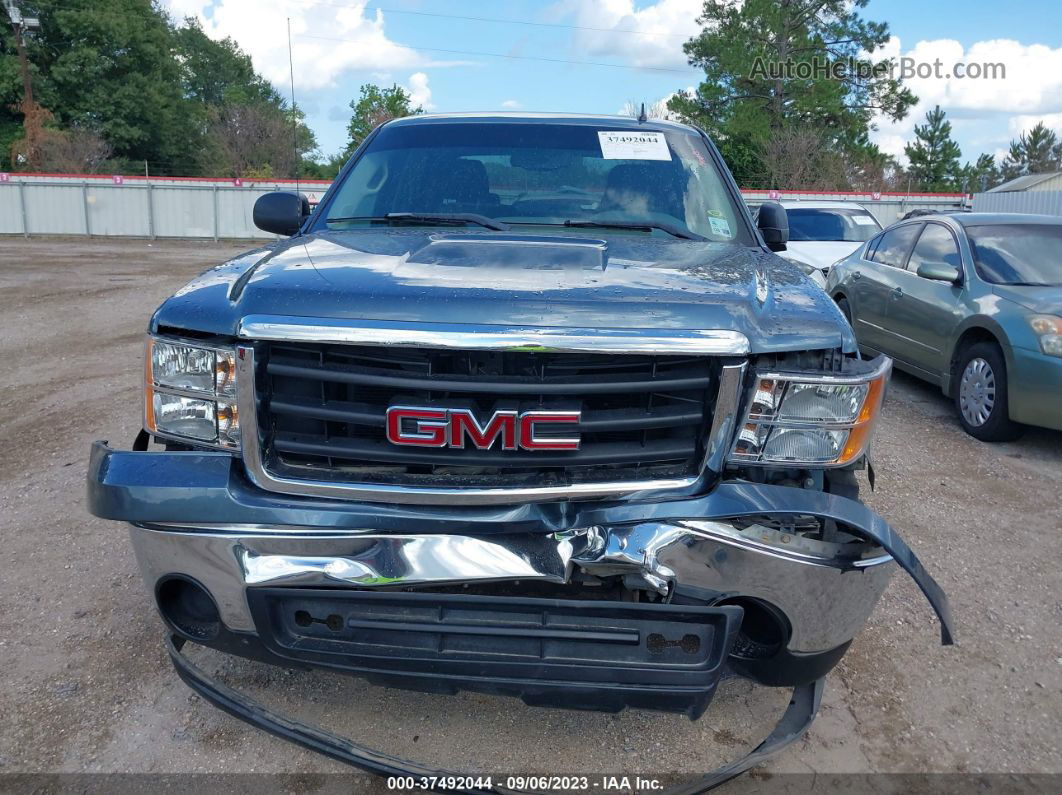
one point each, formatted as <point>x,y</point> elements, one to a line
<point>424,427</point>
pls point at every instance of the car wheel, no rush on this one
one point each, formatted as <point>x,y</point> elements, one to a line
<point>846,310</point>
<point>981,394</point>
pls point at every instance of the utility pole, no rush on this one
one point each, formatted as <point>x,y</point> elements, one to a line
<point>21,25</point>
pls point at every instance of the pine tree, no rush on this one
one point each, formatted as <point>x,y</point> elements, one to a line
<point>934,156</point>
<point>753,88</point>
<point>1036,152</point>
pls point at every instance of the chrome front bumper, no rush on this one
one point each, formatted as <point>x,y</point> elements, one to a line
<point>826,599</point>
<point>194,514</point>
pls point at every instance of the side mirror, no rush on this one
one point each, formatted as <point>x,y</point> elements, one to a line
<point>773,223</point>
<point>940,272</point>
<point>281,212</point>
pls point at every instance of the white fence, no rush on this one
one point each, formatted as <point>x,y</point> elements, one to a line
<point>55,204</point>
<point>136,206</point>
<point>1045,202</point>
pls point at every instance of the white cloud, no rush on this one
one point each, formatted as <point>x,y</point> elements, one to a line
<point>511,104</point>
<point>1031,89</point>
<point>327,41</point>
<point>1023,123</point>
<point>419,93</point>
<point>661,29</point>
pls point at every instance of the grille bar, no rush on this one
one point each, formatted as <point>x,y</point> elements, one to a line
<point>587,386</point>
<point>607,453</point>
<point>597,421</point>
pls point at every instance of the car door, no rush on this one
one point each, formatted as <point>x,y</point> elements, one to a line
<point>873,279</point>
<point>922,313</point>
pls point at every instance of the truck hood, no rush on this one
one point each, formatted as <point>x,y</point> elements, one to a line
<point>570,280</point>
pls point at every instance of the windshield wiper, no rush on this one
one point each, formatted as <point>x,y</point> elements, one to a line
<point>663,226</point>
<point>431,218</point>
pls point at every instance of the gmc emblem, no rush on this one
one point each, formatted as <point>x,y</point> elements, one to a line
<point>425,427</point>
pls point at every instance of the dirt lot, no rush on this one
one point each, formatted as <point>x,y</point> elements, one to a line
<point>86,686</point>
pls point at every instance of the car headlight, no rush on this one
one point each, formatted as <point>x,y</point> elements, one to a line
<point>1049,329</point>
<point>190,393</point>
<point>795,419</point>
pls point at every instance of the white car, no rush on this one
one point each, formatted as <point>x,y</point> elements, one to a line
<point>823,232</point>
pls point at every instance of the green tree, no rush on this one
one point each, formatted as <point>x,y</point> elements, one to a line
<point>933,156</point>
<point>979,176</point>
<point>772,64</point>
<point>373,107</point>
<point>118,76</point>
<point>108,66</point>
<point>1035,152</point>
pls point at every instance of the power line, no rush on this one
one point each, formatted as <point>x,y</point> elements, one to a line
<point>494,20</point>
<point>509,55</point>
<point>499,20</point>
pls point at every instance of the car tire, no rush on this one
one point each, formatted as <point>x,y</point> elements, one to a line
<point>846,310</point>
<point>980,386</point>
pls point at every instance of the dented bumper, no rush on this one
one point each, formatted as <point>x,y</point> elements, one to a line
<point>194,514</point>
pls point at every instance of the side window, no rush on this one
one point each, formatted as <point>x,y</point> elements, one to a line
<point>895,244</point>
<point>871,246</point>
<point>937,244</point>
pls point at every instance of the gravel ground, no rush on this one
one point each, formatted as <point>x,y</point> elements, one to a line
<point>87,688</point>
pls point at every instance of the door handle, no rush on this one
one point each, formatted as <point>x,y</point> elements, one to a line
<point>897,293</point>
<point>857,275</point>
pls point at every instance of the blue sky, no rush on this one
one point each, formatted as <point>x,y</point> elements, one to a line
<point>442,60</point>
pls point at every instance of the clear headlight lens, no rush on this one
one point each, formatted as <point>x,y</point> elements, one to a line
<point>797,420</point>
<point>185,416</point>
<point>191,393</point>
<point>1049,329</point>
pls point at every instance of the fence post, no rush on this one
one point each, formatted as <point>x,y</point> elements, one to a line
<point>216,222</point>
<point>151,212</point>
<point>85,207</point>
<point>22,203</point>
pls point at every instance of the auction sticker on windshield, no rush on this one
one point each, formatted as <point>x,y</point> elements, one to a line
<point>626,145</point>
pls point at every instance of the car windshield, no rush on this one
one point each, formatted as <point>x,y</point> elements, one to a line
<point>633,181</point>
<point>1017,253</point>
<point>855,225</point>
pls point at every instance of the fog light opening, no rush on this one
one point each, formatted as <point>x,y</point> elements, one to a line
<point>188,608</point>
<point>764,629</point>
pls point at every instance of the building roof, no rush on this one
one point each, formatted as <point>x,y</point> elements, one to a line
<point>1024,183</point>
<point>978,219</point>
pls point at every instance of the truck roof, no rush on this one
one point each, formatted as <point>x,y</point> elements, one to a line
<point>617,122</point>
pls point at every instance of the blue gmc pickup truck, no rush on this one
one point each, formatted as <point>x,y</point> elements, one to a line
<point>527,405</point>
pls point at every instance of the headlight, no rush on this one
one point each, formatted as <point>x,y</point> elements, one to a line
<point>190,393</point>
<point>1049,329</point>
<point>796,419</point>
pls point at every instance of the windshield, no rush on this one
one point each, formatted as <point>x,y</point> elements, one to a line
<point>1018,253</point>
<point>540,175</point>
<point>855,226</point>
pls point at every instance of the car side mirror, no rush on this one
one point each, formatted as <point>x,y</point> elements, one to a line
<point>940,272</point>
<point>281,212</point>
<point>773,223</point>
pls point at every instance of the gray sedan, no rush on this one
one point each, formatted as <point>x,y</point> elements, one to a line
<point>971,302</point>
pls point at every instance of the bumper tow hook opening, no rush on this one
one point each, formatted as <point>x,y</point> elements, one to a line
<point>795,721</point>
